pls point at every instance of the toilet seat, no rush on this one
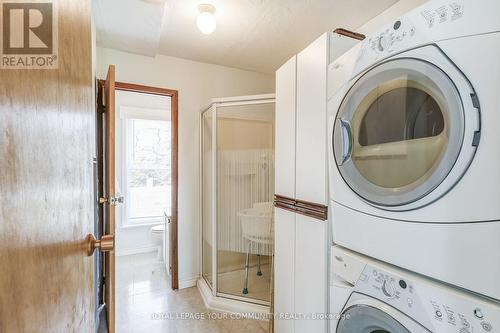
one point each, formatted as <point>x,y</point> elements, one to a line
<point>158,228</point>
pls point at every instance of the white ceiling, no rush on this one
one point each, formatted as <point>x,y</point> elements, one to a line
<point>256,35</point>
<point>128,25</point>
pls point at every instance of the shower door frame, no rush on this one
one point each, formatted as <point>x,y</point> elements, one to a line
<point>214,105</point>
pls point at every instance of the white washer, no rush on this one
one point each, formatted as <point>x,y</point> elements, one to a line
<point>414,115</point>
<point>387,299</point>
<point>340,291</point>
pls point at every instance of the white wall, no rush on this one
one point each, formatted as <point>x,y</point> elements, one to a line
<point>389,15</point>
<point>197,83</point>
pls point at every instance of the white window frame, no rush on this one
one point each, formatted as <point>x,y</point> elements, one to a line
<point>127,113</point>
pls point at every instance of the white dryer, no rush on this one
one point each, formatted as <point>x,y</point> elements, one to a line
<point>414,118</point>
<point>387,299</point>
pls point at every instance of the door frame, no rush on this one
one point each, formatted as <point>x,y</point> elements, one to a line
<point>174,117</point>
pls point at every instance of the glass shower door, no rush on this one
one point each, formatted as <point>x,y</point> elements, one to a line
<point>245,190</point>
<point>207,167</point>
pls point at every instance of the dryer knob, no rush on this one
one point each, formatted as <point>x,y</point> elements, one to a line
<point>388,289</point>
<point>382,43</point>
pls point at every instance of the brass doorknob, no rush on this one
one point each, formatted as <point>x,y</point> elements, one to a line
<point>105,244</point>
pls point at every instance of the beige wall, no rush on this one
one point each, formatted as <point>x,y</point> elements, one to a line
<point>197,84</point>
<point>236,133</point>
<point>244,134</point>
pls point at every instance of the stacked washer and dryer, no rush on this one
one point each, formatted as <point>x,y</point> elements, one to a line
<point>414,119</point>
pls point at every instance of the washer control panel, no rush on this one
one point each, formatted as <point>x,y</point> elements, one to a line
<point>436,306</point>
<point>394,290</point>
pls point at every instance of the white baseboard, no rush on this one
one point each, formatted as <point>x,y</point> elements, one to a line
<point>188,283</point>
<point>136,251</point>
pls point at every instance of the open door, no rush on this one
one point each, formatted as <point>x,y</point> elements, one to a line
<point>46,201</point>
<point>166,244</point>
<point>107,199</point>
<point>110,199</point>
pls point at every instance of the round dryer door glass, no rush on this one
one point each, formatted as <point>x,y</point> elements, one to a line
<point>398,132</point>
<point>367,319</point>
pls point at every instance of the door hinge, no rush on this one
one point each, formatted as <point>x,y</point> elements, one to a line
<point>112,200</point>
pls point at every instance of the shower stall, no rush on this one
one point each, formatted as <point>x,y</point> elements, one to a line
<point>237,190</point>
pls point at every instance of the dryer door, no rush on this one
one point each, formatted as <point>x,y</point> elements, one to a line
<point>399,131</point>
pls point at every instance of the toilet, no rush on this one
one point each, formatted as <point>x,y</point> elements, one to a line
<point>157,236</point>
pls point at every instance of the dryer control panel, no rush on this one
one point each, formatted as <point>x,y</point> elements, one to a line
<point>431,23</point>
<point>436,306</point>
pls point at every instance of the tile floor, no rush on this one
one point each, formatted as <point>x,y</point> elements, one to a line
<point>145,303</point>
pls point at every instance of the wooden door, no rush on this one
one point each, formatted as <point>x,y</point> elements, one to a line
<point>167,252</point>
<point>111,199</point>
<point>46,186</point>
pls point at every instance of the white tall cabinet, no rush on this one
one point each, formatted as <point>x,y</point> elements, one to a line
<point>284,220</point>
<point>301,227</point>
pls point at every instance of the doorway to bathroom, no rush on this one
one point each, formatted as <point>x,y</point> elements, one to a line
<point>146,175</point>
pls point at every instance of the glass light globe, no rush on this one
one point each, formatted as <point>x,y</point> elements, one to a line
<point>206,22</point>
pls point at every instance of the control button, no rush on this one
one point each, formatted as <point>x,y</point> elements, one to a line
<point>402,284</point>
<point>397,24</point>
<point>410,301</point>
<point>438,314</point>
<point>478,313</point>
<point>486,326</point>
<point>412,31</point>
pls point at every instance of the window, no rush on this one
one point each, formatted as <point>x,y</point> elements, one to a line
<point>147,170</point>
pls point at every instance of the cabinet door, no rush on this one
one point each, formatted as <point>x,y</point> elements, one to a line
<point>285,129</point>
<point>284,248</point>
<point>310,285</point>
<point>311,148</point>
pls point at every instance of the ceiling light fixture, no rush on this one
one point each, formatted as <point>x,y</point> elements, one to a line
<point>206,21</point>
